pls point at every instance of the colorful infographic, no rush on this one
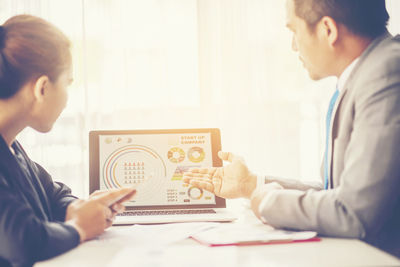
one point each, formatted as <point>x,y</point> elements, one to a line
<point>176,155</point>
<point>155,164</point>
<point>196,154</point>
<point>180,170</point>
<point>132,164</point>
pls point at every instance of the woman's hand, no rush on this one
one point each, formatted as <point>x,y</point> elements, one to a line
<point>91,217</point>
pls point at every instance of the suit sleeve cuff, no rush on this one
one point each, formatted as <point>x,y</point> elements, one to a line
<point>264,203</point>
<point>61,237</point>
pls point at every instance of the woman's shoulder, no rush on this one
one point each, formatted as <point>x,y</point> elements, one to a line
<point>4,183</point>
<point>11,163</point>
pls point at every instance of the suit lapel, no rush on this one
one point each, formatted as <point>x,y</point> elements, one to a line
<point>333,124</point>
<point>36,181</point>
<point>16,179</point>
<point>348,86</point>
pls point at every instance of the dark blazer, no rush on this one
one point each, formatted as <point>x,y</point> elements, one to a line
<point>32,211</point>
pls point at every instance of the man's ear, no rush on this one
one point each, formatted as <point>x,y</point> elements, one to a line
<point>329,29</point>
<point>40,87</point>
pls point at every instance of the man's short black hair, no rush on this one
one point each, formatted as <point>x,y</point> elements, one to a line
<point>367,18</point>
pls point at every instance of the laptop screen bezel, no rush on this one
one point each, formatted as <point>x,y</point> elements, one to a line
<point>94,161</point>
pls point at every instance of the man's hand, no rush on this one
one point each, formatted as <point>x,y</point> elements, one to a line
<point>232,181</point>
<point>91,217</point>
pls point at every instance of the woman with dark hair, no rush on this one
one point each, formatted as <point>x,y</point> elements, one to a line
<point>39,218</point>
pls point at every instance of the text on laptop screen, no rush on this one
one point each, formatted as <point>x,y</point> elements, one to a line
<point>155,163</point>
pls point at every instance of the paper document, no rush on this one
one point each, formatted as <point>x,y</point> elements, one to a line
<point>187,255</point>
<point>150,235</point>
<point>237,234</point>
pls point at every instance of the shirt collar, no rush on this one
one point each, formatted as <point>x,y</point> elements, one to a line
<point>345,75</point>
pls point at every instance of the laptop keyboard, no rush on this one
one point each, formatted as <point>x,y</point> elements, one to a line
<point>165,212</point>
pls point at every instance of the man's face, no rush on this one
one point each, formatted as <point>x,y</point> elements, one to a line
<point>307,43</point>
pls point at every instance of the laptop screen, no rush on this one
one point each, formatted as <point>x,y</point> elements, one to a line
<point>154,161</point>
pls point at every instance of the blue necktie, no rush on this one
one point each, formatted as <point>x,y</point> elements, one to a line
<point>328,126</point>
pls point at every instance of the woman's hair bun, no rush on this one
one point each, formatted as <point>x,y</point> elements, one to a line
<point>30,47</point>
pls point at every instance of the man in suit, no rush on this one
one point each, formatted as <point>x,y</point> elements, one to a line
<point>359,194</point>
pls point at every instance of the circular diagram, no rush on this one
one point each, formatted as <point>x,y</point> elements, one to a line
<point>130,165</point>
<point>176,155</point>
<point>195,192</point>
<point>196,154</point>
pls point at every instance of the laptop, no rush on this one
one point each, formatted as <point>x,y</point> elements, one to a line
<point>153,161</point>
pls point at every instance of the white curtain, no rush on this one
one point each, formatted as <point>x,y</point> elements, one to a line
<point>184,64</point>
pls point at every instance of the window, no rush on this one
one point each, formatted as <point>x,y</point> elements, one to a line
<point>182,64</point>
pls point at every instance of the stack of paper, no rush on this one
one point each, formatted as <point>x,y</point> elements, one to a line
<point>241,234</point>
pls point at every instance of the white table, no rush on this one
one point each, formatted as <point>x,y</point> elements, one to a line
<point>327,252</point>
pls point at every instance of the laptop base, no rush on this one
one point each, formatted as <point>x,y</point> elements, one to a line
<point>221,215</point>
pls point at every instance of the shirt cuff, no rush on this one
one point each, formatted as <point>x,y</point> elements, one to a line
<point>260,180</point>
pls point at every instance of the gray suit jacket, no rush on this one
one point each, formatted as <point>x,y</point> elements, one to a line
<point>364,196</point>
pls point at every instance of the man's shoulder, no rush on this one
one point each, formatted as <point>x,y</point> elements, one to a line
<point>379,65</point>
<point>377,71</point>
<point>384,58</point>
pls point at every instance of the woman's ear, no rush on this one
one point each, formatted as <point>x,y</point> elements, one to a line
<point>40,87</point>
